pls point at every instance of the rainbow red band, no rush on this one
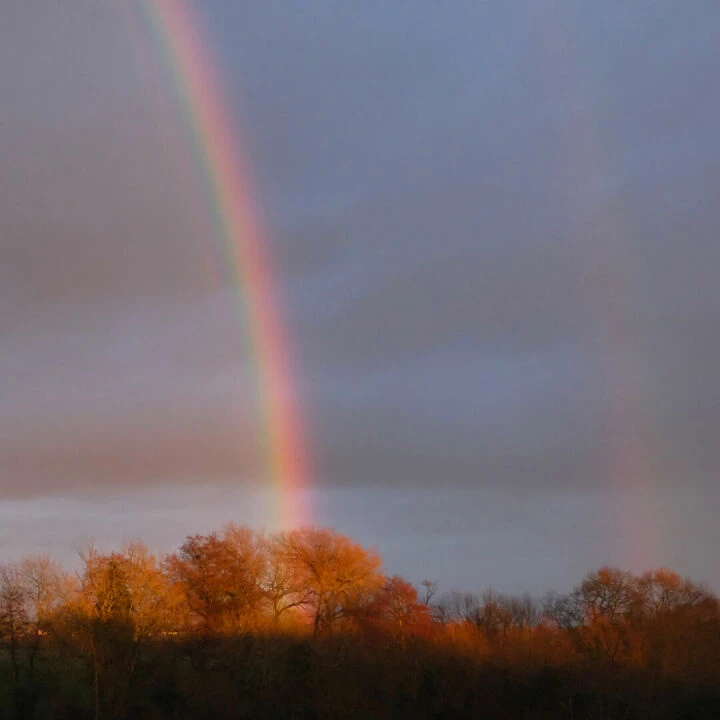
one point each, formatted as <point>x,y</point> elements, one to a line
<point>201,102</point>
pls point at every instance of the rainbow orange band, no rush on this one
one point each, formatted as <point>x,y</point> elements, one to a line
<point>216,144</point>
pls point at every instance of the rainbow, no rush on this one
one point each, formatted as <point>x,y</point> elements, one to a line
<point>201,102</point>
<point>629,440</point>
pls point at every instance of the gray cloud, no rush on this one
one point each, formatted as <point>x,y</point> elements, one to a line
<point>495,231</point>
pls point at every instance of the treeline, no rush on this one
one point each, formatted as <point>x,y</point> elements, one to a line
<point>304,625</point>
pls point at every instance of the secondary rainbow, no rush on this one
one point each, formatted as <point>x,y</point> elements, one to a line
<point>218,151</point>
<point>628,440</point>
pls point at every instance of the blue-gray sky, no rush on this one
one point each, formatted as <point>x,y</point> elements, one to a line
<point>496,234</point>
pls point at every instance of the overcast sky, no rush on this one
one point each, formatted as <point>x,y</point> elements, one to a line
<point>496,234</point>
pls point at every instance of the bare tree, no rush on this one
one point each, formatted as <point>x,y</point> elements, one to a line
<point>334,572</point>
<point>43,580</point>
<point>13,611</point>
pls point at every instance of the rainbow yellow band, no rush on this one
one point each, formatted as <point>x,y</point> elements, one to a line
<point>217,148</point>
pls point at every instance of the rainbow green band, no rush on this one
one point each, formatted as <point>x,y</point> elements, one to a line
<point>217,150</point>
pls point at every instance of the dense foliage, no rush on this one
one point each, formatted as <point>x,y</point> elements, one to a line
<point>304,625</point>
